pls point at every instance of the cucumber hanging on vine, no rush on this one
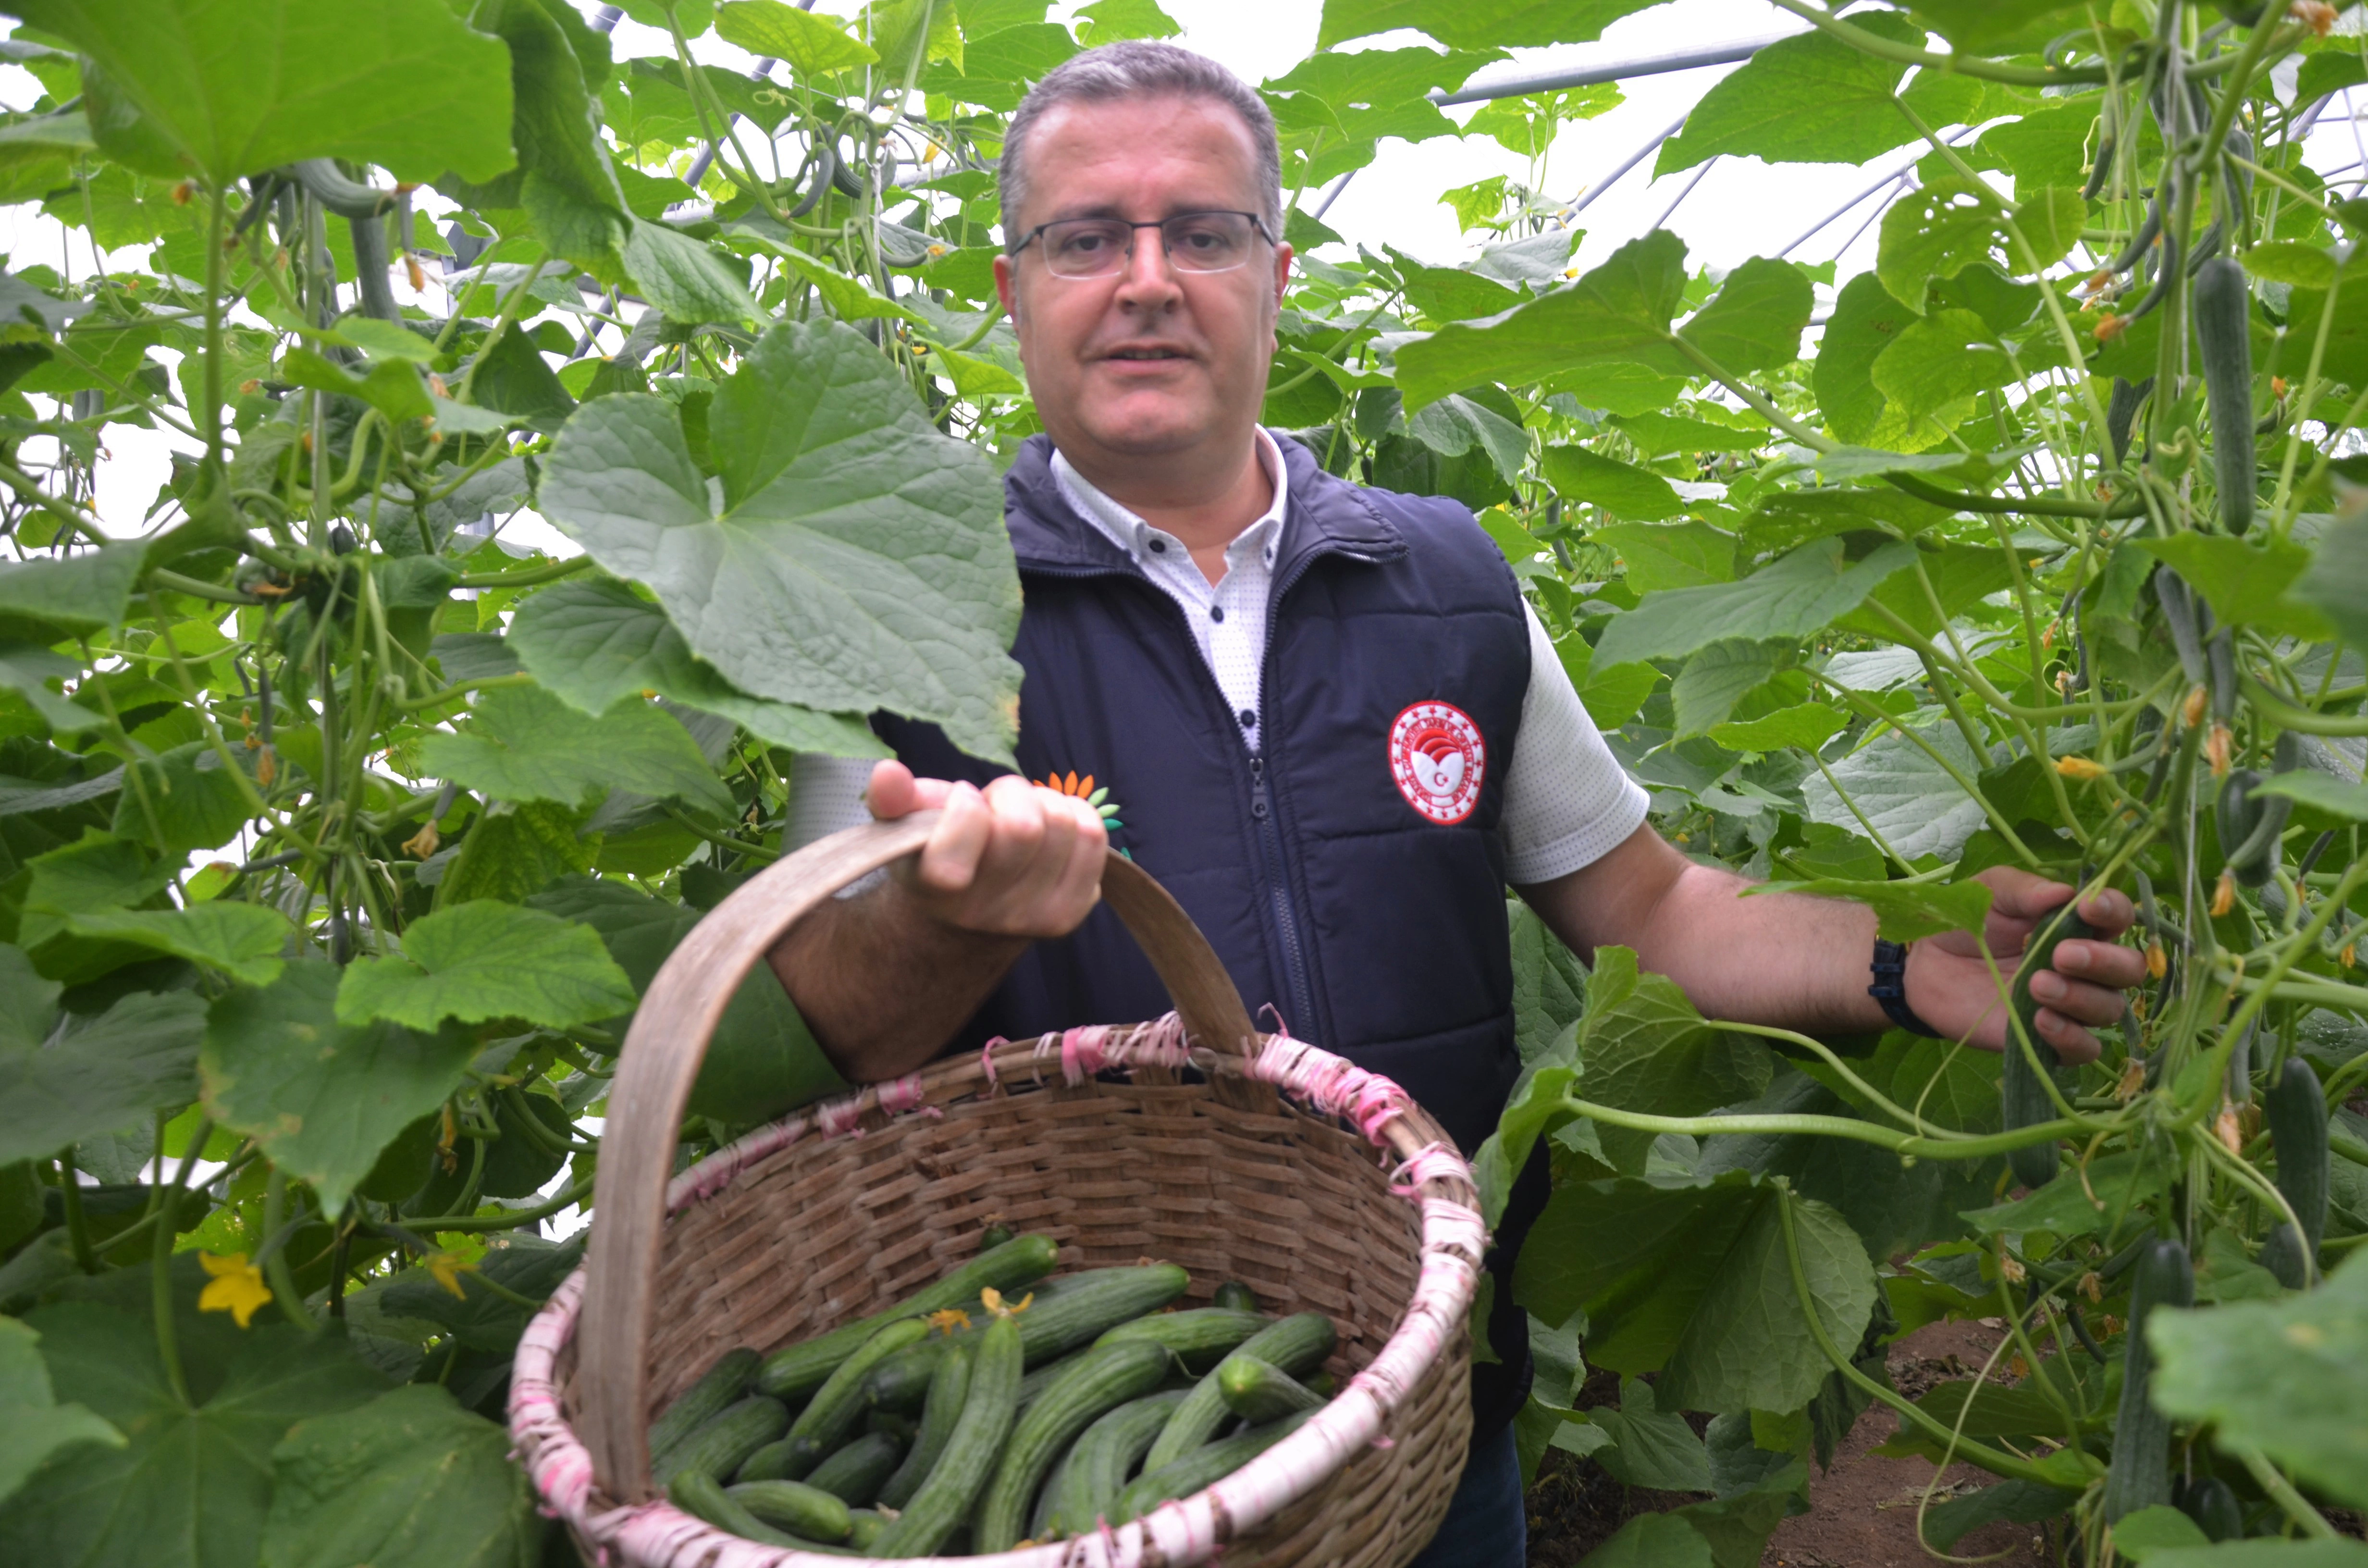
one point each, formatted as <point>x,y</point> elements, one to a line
<point>2140,1474</point>
<point>2022,1097</point>
<point>2222,301</point>
<point>2252,855</point>
<point>2295,1109</point>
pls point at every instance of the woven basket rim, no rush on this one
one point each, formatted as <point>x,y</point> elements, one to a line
<point>1179,1534</point>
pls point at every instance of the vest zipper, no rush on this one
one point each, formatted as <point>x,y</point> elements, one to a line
<point>1277,880</point>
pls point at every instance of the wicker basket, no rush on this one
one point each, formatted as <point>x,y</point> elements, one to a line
<point>1265,1171</point>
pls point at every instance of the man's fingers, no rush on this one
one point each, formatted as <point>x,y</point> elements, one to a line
<point>891,793</point>
<point>949,860</point>
<point>2107,963</point>
<point>2018,894</point>
<point>2073,1044</point>
<point>2109,911</point>
<point>2077,1000</point>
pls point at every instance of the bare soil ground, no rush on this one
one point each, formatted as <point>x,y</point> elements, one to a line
<point>1861,1513</point>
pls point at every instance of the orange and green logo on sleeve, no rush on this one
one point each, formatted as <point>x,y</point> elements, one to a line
<point>1083,788</point>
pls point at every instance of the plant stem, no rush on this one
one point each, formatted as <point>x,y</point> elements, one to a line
<point>1781,1124</point>
<point>2281,1490</point>
<point>160,1263</point>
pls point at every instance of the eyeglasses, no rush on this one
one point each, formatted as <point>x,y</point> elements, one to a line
<point>1099,248</point>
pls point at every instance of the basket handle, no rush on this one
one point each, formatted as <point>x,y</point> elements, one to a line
<point>668,1041</point>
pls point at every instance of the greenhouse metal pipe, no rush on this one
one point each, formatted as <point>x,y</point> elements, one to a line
<point>1635,158</point>
<point>1332,194</point>
<point>1589,76</point>
<point>1835,216</point>
<point>1666,212</point>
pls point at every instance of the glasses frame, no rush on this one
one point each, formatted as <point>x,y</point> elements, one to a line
<point>1257,226</point>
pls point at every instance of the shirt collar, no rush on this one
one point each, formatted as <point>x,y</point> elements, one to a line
<point>1259,541</point>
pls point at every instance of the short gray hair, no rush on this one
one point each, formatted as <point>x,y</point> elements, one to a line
<point>1136,68</point>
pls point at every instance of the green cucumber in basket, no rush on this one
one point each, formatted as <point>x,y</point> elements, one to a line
<point>802,1510</point>
<point>1067,1312</point>
<point>837,1405</point>
<point>869,1523</point>
<point>1200,1337</point>
<point>1201,1469</point>
<point>724,1444</point>
<point>1295,1345</point>
<point>1038,1379</point>
<point>788,1460</point>
<point>796,1369</point>
<point>1260,1391</point>
<point>697,1493</point>
<point>1100,1460</point>
<point>1040,1521</point>
<point>856,1473</point>
<point>717,1390</point>
<point>943,1503</point>
<point>1097,1382</point>
<point>948,1387</point>
<point>1235,1294</point>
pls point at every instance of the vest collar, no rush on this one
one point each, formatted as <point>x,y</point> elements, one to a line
<point>1327,515</point>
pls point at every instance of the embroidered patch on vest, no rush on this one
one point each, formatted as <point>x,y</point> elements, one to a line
<point>1438,760</point>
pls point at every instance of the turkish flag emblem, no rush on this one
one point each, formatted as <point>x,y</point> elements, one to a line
<point>1438,760</point>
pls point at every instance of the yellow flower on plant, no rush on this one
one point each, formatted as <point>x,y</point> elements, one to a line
<point>238,1287</point>
<point>448,1268</point>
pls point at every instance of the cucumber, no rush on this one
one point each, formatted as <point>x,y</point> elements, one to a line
<point>696,1493</point>
<point>802,1510</point>
<point>2022,1097</point>
<point>1098,1381</point>
<point>943,1503</point>
<point>1235,1294</point>
<point>1200,1337</point>
<point>719,1447</point>
<point>903,1427</point>
<point>1038,1379</point>
<point>1067,1312</point>
<point>1201,1469</point>
<point>2212,1504</point>
<point>856,1473</point>
<point>994,1237</point>
<point>788,1460</point>
<point>1040,1520</point>
<point>1260,1391</point>
<point>2255,858</point>
<point>2222,302</point>
<point>837,1405</point>
<point>1099,1461</point>
<point>2295,1109</point>
<point>1295,1345</point>
<point>718,1388</point>
<point>947,1388</point>
<point>796,1369</point>
<point>868,1523</point>
<point>2139,1476</point>
<point>2235,813</point>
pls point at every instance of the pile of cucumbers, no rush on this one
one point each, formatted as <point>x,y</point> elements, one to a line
<point>995,1406</point>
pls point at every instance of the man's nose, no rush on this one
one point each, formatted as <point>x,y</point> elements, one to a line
<point>1147,279</point>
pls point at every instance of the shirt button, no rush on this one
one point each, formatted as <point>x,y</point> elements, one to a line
<point>1217,612</point>
<point>1248,719</point>
<point>1159,547</point>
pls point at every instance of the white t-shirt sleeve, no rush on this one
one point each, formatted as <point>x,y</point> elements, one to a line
<point>1567,801</point>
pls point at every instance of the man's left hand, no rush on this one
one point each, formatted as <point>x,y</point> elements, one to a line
<point>1951,987</point>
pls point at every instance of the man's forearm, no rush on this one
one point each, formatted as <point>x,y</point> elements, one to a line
<point>882,985</point>
<point>1785,959</point>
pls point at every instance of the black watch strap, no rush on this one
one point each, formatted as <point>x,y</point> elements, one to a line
<point>1890,989</point>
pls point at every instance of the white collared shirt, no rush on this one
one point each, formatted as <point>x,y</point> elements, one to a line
<point>1567,801</point>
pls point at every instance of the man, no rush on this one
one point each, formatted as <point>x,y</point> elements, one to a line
<point>1334,728</point>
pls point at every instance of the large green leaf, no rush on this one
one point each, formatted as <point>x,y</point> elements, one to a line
<point>321,1098</point>
<point>1757,318</point>
<point>1643,1048</point>
<point>564,180</point>
<point>1908,797</point>
<point>1476,24</point>
<point>2338,582</point>
<point>182,799</point>
<point>1619,311</point>
<point>1937,364</point>
<point>47,600</point>
<point>408,1480</point>
<point>232,87</point>
<point>524,743</point>
<point>516,850</point>
<point>1714,681</point>
<point>1618,488</point>
<point>1691,1280</point>
<point>2288,1377</point>
<point>1653,556</point>
<point>1371,94</point>
<point>593,642</point>
<point>1942,228</point>
<point>684,279</point>
<point>1813,99</point>
<point>487,960</point>
<point>59,1085</point>
<point>858,560</point>
<point>33,1424</point>
<point>242,941</point>
<point>810,45</point>
<point>1790,597</point>
<point>2274,586</point>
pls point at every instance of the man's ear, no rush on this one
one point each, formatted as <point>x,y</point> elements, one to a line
<point>1283,258</point>
<point>1006,286</point>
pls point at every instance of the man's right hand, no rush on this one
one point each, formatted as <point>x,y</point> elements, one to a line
<point>1014,859</point>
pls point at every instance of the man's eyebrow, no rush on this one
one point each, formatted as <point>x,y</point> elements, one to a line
<point>1110,209</point>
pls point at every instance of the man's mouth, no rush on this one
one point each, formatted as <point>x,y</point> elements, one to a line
<point>1145,354</point>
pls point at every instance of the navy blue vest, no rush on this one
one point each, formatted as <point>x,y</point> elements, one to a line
<point>1369,925</point>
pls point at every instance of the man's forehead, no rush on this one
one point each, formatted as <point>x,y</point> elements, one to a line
<point>1095,157</point>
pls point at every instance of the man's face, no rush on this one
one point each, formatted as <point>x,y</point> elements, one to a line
<point>1150,361</point>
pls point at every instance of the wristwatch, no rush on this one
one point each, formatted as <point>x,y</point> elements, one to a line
<point>1890,989</point>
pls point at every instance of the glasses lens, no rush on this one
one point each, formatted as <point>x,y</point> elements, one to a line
<point>1086,248</point>
<point>1208,242</point>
